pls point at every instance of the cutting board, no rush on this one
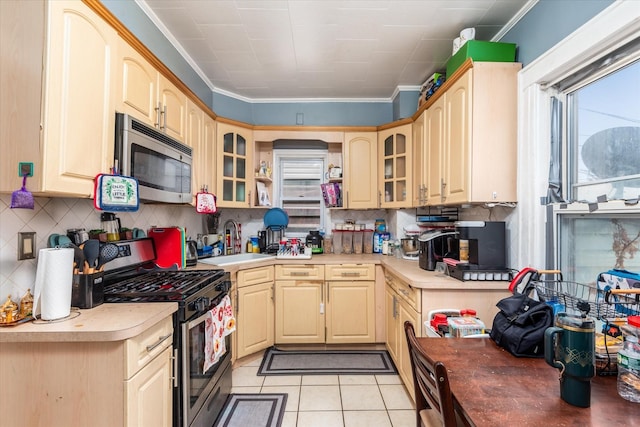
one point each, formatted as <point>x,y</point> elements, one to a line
<point>170,246</point>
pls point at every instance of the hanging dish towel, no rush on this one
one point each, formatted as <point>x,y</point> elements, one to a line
<point>219,324</point>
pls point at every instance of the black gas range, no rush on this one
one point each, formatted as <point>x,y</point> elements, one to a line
<point>132,277</point>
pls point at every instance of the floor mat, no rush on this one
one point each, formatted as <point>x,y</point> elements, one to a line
<point>326,362</point>
<point>255,410</point>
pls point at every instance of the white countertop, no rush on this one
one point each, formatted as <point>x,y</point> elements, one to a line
<point>106,322</point>
<point>407,270</point>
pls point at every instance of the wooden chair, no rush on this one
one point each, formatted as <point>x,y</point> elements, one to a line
<point>434,402</point>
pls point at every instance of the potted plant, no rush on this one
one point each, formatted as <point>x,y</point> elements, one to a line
<point>98,234</point>
<point>126,233</point>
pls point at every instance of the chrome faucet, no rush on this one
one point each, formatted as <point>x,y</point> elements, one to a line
<point>230,247</point>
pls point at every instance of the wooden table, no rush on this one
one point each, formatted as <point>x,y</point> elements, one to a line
<point>493,388</point>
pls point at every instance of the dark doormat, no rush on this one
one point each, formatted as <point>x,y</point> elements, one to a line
<point>326,362</point>
<point>255,410</point>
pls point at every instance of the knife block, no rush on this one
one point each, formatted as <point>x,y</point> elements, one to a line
<point>87,290</point>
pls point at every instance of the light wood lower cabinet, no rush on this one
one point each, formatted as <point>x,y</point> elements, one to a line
<point>99,384</point>
<point>255,310</point>
<point>146,397</point>
<point>402,304</point>
<point>338,311</point>
<point>350,306</point>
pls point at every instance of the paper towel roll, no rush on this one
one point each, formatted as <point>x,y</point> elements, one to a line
<point>54,278</point>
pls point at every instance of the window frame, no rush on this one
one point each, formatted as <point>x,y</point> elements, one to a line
<point>529,225</point>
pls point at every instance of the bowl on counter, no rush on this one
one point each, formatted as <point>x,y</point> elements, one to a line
<point>409,246</point>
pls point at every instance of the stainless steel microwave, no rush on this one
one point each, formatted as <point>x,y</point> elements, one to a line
<point>161,164</point>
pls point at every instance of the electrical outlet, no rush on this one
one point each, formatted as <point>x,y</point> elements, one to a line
<point>26,245</point>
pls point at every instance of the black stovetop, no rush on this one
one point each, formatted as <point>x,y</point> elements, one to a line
<point>161,285</point>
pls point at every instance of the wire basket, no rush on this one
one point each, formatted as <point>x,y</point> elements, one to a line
<point>580,298</point>
<point>612,307</point>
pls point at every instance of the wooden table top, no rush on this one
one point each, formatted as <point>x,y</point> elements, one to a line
<point>493,388</point>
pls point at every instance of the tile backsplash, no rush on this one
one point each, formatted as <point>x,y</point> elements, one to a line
<point>56,215</point>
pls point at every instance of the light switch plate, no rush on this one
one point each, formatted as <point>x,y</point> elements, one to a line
<point>26,245</point>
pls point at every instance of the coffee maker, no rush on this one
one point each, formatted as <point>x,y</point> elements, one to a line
<point>481,251</point>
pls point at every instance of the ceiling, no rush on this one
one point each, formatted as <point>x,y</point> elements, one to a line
<point>267,50</point>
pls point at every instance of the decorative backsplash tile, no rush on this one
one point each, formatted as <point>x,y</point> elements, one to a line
<point>56,215</point>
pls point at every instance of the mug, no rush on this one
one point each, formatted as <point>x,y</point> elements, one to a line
<point>217,251</point>
<point>570,347</point>
<point>210,239</point>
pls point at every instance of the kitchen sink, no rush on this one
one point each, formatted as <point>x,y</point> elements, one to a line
<point>235,259</point>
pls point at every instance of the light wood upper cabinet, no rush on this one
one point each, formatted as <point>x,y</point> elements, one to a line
<point>173,105</point>
<point>208,161</point>
<point>360,170</point>
<point>435,151</point>
<point>195,139</point>
<point>137,85</point>
<point>395,166</point>
<point>70,76</point>
<point>420,161</point>
<point>474,159</point>
<point>234,162</point>
<point>147,95</point>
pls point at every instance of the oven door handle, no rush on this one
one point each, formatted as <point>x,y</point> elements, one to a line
<point>157,343</point>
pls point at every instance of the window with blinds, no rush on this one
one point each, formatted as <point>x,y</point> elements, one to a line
<point>298,175</point>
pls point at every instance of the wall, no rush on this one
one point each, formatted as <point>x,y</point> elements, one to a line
<point>56,215</point>
<point>547,23</point>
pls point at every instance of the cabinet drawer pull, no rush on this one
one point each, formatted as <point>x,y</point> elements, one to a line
<point>160,341</point>
<point>299,273</point>
<point>350,274</point>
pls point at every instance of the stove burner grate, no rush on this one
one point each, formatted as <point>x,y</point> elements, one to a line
<point>162,285</point>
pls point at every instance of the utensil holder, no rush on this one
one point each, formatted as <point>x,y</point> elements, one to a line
<point>87,290</point>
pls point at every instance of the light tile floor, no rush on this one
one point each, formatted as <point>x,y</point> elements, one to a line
<point>331,400</point>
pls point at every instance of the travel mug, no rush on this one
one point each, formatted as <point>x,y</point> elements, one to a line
<point>570,347</point>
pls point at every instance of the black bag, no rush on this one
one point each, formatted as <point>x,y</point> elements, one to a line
<point>520,324</point>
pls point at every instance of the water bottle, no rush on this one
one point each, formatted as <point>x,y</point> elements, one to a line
<point>629,362</point>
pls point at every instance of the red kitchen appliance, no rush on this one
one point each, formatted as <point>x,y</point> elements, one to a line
<point>170,246</point>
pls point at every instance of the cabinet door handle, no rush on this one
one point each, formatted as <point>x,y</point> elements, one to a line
<point>157,343</point>
<point>273,293</point>
<point>164,118</point>
<point>350,274</point>
<point>174,374</point>
<point>395,311</point>
<point>299,273</point>
<point>157,122</point>
<point>237,301</point>
<point>249,199</point>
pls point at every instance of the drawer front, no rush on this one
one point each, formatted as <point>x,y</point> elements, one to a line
<point>307,272</point>
<point>408,293</point>
<point>255,276</point>
<point>142,349</point>
<point>350,272</point>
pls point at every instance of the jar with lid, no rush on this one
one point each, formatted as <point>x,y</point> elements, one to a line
<point>629,361</point>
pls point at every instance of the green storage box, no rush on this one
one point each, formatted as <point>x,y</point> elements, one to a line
<point>479,50</point>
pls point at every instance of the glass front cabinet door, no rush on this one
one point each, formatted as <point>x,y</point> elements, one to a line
<point>394,164</point>
<point>234,159</point>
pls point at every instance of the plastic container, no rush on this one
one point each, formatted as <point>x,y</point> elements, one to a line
<point>367,241</point>
<point>358,237</point>
<point>347,242</point>
<point>629,362</point>
<point>464,326</point>
<point>337,241</point>
<point>327,244</point>
<point>480,50</point>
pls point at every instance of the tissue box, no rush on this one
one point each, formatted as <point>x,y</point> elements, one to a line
<point>480,50</point>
